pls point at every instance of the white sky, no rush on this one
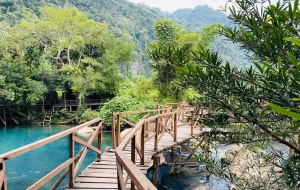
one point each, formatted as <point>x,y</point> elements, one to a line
<point>173,5</point>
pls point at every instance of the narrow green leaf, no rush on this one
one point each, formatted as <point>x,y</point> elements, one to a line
<point>284,111</point>
<point>294,40</point>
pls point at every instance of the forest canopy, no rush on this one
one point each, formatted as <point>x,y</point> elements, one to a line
<point>61,49</point>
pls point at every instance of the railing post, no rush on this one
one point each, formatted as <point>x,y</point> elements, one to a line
<point>147,125</point>
<point>113,131</point>
<point>156,134</point>
<point>71,167</point>
<point>3,183</point>
<point>143,144</point>
<point>121,184</point>
<point>100,141</point>
<point>192,123</point>
<point>118,129</point>
<point>175,127</point>
<point>182,116</point>
<point>133,157</point>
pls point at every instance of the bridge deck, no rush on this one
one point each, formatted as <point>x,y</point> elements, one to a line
<point>103,174</point>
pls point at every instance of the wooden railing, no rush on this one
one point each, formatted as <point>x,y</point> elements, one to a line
<point>71,166</point>
<point>165,121</point>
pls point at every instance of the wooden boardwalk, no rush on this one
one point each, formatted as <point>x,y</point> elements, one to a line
<point>103,174</point>
<point>123,167</point>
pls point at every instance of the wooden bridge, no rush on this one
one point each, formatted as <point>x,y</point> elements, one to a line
<point>124,165</point>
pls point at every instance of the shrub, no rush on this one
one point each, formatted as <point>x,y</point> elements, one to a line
<point>121,104</point>
<point>88,115</point>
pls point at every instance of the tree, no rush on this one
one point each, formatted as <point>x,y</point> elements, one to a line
<point>242,95</point>
<point>66,45</point>
<point>172,48</point>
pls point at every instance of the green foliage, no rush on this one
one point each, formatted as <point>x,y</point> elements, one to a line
<point>121,104</point>
<point>64,116</point>
<point>172,49</point>
<point>236,94</point>
<point>131,22</point>
<point>88,115</point>
<point>141,88</point>
<point>60,50</point>
<point>201,16</point>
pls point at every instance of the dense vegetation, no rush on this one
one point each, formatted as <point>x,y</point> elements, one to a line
<point>57,51</point>
<point>96,47</point>
<point>263,99</point>
<point>131,22</point>
<point>41,57</point>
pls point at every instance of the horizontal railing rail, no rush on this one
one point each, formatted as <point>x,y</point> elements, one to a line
<point>117,118</point>
<point>68,165</point>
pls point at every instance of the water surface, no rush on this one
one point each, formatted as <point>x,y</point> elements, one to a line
<point>26,169</point>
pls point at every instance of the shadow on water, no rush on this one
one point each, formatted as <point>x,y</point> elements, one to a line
<point>26,169</point>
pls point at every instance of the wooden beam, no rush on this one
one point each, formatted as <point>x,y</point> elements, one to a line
<point>113,131</point>
<point>156,162</point>
<point>42,142</point>
<point>138,178</point>
<point>71,155</point>
<point>86,144</point>
<point>121,184</point>
<point>50,175</point>
<point>3,183</point>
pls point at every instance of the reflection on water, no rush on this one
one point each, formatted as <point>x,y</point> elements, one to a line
<point>25,170</point>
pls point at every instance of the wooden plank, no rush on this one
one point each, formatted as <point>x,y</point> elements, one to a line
<point>96,185</point>
<point>103,166</point>
<point>93,170</point>
<point>96,180</point>
<point>100,175</point>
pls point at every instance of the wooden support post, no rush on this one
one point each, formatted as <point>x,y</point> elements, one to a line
<point>3,183</point>
<point>156,135</point>
<point>171,171</point>
<point>121,184</point>
<point>118,129</point>
<point>206,157</point>
<point>156,161</point>
<point>192,123</point>
<point>172,155</point>
<point>182,116</point>
<point>113,131</point>
<point>147,128</point>
<point>175,127</point>
<point>143,144</point>
<point>71,167</point>
<point>133,157</point>
<point>100,141</point>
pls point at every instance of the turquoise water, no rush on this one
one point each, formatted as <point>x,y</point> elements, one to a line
<point>26,169</point>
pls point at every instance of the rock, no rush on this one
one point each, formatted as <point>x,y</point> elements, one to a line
<point>85,131</point>
<point>248,165</point>
<point>197,186</point>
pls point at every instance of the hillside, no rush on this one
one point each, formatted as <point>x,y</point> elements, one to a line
<point>199,17</point>
<point>131,22</point>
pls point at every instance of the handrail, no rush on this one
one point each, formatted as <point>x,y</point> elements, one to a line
<point>69,163</point>
<point>138,179</point>
<point>114,128</point>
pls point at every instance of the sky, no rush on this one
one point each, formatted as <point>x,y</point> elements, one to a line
<point>173,5</point>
